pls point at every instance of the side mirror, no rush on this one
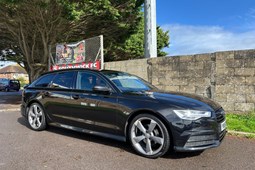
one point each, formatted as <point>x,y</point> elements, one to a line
<point>101,89</point>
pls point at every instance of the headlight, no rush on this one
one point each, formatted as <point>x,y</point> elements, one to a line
<point>192,114</point>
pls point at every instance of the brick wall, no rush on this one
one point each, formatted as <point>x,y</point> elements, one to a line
<point>226,77</point>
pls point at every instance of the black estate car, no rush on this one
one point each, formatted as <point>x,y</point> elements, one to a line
<point>7,85</point>
<point>124,107</point>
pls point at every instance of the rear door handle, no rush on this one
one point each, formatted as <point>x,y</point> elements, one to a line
<point>75,96</point>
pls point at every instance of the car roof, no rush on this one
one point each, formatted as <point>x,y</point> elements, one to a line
<point>80,69</point>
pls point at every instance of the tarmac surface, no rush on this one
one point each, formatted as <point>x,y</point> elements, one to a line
<point>55,148</point>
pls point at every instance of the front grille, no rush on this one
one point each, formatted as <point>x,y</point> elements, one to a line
<point>199,144</point>
<point>201,138</point>
<point>220,115</point>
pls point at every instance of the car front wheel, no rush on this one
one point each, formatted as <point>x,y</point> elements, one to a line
<point>149,136</point>
<point>36,117</point>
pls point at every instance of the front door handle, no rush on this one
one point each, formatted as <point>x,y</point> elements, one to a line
<point>75,96</point>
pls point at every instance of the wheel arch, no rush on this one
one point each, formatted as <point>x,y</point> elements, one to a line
<point>31,102</point>
<point>43,125</point>
<point>156,114</point>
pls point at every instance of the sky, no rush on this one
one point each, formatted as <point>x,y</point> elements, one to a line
<point>5,63</point>
<point>203,26</point>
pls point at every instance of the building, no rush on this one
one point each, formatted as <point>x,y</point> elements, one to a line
<point>14,72</point>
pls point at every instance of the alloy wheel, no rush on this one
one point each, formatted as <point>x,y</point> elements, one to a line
<point>36,117</point>
<point>147,136</point>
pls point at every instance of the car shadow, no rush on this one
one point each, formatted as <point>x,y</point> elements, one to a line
<point>182,155</point>
<point>22,121</point>
<point>123,146</point>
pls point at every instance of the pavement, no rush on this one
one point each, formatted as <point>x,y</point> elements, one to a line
<point>55,148</point>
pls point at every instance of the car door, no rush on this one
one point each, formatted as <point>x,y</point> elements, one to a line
<point>92,110</point>
<point>58,96</point>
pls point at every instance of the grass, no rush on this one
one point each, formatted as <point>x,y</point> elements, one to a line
<point>241,122</point>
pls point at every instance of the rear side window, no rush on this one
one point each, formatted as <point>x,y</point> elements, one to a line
<point>44,81</point>
<point>15,81</point>
<point>63,80</point>
<point>4,82</point>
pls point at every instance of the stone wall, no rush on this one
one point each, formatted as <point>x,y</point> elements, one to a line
<point>226,77</point>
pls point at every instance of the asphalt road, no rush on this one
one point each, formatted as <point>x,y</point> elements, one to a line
<point>55,148</point>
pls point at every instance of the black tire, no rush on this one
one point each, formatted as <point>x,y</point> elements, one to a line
<point>150,140</point>
<point>6,89</point>
<point>36,117</point>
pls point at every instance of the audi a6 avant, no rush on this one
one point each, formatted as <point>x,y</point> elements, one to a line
<point>124,107</point>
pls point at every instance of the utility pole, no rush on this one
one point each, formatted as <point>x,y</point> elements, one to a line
<point>150,28</point>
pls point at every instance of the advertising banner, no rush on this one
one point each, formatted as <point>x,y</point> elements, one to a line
<point>83,54</point>
<point>70,53</point>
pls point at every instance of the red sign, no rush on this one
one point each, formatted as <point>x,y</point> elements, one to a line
<point>90,65</point>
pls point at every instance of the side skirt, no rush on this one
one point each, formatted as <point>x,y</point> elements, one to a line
<point>106,135</point>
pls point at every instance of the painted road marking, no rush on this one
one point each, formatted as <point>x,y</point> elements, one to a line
<point>10,110</point>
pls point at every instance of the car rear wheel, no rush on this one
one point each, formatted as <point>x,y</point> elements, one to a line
<point>36,117</point>
<point>149,136</point>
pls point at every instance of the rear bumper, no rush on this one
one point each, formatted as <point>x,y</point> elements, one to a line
<point>23,110</point>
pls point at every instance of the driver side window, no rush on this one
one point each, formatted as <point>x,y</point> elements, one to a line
<point>86,81</point>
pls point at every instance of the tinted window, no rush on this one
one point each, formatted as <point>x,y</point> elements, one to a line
<point>4,82</point>
<point>86,81</point>
<point>15,82</point>
<point>63,80</point>
<point>44,81</point>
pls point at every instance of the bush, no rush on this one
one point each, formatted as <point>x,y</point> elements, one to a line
<point>241,122</point>
<point>22,81</point>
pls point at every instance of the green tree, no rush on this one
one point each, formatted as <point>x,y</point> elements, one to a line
<point>29,27</point>
<point>33,25</point>
<point>133,47</point>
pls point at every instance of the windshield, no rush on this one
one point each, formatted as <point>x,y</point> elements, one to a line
<point>128,83</point>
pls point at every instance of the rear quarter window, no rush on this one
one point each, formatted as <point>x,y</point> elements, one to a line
<point>44,81</point>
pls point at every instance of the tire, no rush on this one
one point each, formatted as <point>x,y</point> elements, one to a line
<point>36,117</point>
<point>6,89</point>
<point>149,136</point>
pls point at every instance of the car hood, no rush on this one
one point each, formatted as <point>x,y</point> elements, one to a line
<point>179,100</point>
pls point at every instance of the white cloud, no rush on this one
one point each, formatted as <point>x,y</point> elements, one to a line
<point>189,39</point>
<point>251,13</point>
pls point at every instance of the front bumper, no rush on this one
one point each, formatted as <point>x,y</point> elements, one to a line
<point>199,135</point>
<point>202,141</point>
